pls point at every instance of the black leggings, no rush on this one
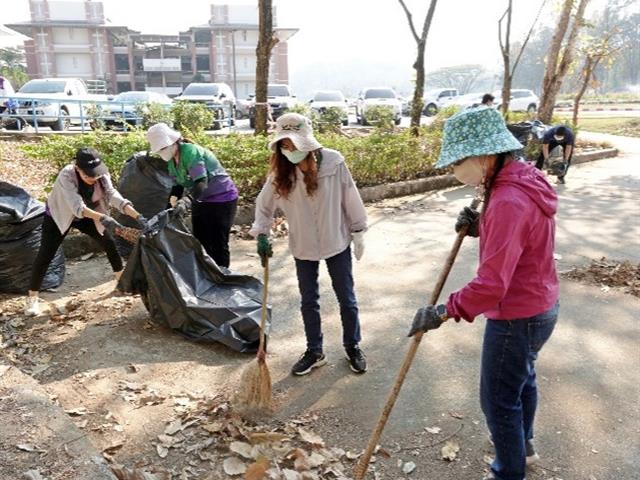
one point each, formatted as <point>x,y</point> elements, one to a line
<point>52,239</point>
<point>212,223</point>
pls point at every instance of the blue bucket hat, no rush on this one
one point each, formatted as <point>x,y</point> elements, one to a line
<point>474,132</point>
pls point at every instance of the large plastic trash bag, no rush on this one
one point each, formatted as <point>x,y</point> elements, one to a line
<point>183,288</point>
<point>145,181</point>
<point>20,234</point>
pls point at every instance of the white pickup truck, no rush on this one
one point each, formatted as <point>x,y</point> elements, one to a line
<point>438,98</point>
<point>54,102</point>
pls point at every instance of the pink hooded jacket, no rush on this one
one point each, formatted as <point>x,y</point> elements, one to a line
<point>516,277</point>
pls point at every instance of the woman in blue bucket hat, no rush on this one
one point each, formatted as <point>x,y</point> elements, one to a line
<point>516,285</point>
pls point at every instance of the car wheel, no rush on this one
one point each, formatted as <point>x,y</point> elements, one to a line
<point>363,121</point>
<point>62,123</point>
<point>430,110</point>
<point>232,117</point>
<point>252,122</point>
<point>532,108</point>
<point>345,122</point>
<point>398,120</point>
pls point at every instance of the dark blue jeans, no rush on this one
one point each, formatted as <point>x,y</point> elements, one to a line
<point>508,390</point>
<point>340,271</point>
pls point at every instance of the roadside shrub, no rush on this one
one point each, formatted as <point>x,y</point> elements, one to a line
<point>329,120</point>
<point>191,118</point>
<point>114,149</point>
<point>381,117</point>
<point>379,157</point>
<point>154,112</point>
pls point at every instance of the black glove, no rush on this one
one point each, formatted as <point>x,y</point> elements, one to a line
<point>182,207</point>
<point>143,222</point>
<point>110,224</point>
<point>427,318</point>
<point>469,218</point>
<point>264,248</point>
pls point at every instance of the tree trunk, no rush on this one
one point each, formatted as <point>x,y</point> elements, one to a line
<point>418,94</point>
<point>505,49</point>
<point>263,54</point>
<point>557,69</point>
<point>589,66</point>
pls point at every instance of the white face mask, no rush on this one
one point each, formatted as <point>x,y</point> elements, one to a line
<point>294,157</point>
<point>470,172</point>
<point>167,153</point>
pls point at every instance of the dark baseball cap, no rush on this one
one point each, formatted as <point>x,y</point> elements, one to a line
<point>88,160</point>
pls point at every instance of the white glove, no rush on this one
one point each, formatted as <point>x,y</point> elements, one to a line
<point>173,200</point>
<point>358,244</point>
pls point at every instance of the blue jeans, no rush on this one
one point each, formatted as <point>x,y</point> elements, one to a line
<point>508,390</point>
<point>340,271</point>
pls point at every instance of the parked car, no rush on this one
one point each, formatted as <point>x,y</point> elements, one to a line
<point>468,100</point>
<point>324,99</point>
<point>217,96</point>
<point>522,100</point>
<point>280,99</point>
<point>438,98</point>
<point>59,105</point>
<point>379,96</point>
<point>127,107</point>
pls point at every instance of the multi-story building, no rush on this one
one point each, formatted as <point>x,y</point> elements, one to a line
<point>72,39</point>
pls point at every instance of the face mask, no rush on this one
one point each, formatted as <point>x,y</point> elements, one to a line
<point>167,153</point>
<point>294,157</point>
<point>470,172</point>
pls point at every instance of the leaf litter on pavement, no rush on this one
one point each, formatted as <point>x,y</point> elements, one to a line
<point>609,273</point>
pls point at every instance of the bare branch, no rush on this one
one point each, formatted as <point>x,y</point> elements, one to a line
<point>502,49</point>
<point>427,20</point>
<point>526,40</point>
<point>410,20</point>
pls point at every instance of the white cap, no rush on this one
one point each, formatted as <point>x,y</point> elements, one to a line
<point>298,129</point>
<point>161,136</point>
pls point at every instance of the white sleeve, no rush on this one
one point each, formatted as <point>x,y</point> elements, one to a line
<point>265,208</point>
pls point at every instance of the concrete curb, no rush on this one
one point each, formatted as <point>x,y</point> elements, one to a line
<point>76,245</point>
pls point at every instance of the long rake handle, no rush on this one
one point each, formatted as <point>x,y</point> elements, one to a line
<point>363,464</point>
<point>265,298</point>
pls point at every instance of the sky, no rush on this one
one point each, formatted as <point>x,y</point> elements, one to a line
<point>337,36</point>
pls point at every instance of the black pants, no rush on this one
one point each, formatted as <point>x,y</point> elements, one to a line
<point>52,239</point>
<point>212,223</point>
<point>540,162</point>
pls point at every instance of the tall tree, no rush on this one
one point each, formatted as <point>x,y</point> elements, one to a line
<point>266,41</point>
<point>461,77</point>
<point>505,49</point>
<point>595,51</point>
<point>418,65</point>
<point>13,65</point>
<point>560,56</point>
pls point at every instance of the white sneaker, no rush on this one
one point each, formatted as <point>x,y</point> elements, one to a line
<point>32,307</point>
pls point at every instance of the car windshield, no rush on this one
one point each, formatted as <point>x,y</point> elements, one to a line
<point>277,91</point>
<point>328,97</point>
<point>201,90</point>
<point>379,93</point>
<point>132,97</point>
<point>42,86</point>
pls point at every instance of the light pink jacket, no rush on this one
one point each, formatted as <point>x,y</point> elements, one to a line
<point>516,277</point>
<point>320,226</point>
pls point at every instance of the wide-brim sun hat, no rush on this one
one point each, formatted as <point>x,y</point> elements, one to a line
<point>298,129</point>
<point>475,132</point>
<point>161,136</point>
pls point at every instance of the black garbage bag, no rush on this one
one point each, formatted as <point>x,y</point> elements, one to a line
<point>20,234</point>
<point>521,130</point>
<point>144,180</point>
<point>183,288</point>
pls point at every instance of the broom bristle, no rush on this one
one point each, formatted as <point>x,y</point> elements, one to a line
<point>254,396</point>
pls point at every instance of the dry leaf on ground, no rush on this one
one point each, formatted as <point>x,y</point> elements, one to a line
<point>310,437</point>
<point>450,450</point>
<point>234,466</point>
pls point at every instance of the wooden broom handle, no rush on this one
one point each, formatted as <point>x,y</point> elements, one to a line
<point>363,464</point>
<point>263,312</point>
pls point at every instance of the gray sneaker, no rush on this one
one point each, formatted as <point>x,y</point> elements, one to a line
<point>530,452</point>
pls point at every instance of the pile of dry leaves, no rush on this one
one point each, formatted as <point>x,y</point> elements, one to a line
<point>223,445</point>
<point>279,229</point>
<point>608,274</point>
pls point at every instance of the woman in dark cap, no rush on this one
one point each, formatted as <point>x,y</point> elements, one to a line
<point>80,199</point>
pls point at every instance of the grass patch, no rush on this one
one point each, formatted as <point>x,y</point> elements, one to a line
<point>626,126</point>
